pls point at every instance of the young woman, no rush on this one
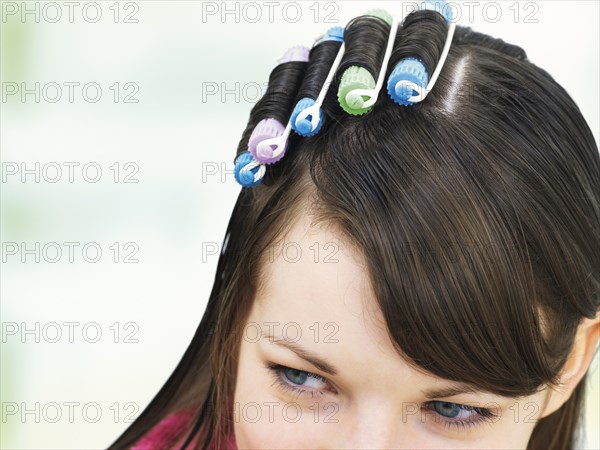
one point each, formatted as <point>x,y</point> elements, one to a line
<point>421,272</point>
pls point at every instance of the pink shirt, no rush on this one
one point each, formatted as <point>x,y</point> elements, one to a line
<point>170,433</point>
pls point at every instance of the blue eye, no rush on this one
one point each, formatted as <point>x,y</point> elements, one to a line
<point>295,376</point>
<point>460,416</point>
<point>447,409</point>
<point>300,382</point>
<point>307,384</point>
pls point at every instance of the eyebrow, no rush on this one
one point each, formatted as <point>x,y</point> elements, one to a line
<point>451,390</point>
<point>303,353</point>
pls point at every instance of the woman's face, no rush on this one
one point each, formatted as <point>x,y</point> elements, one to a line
<point>317,369</point>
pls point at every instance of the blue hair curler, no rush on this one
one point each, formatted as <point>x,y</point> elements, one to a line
<point>409,82</point>
<point>304,126</point>
<point>307,117</point>
<point>248,172</point>
<point>333,34</point>
<point>408,73</point>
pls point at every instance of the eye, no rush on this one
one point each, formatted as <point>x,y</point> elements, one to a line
<point>302,378</point>
<point>452,410</point>
<point>299,382</point>
<point>460,417</point>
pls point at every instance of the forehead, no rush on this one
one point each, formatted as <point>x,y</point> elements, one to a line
<point>315,281</point>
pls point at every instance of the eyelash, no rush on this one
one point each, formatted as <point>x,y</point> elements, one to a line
<point>277,373</point>
<point>483,415</point>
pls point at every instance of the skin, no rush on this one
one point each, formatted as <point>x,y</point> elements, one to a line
<point>375,399</point>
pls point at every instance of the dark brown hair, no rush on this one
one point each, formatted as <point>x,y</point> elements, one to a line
<point>477,212</point>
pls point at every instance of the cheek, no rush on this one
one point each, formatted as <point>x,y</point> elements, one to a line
<point>519,421</point>
<point>248,391</point>
<point>514,428</point>
<point>254,417</point>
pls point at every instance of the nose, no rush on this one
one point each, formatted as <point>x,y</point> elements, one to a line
<point>374,426</point>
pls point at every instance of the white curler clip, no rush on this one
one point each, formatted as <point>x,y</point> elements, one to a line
<point>259,174</point>
<point>314,110</point>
